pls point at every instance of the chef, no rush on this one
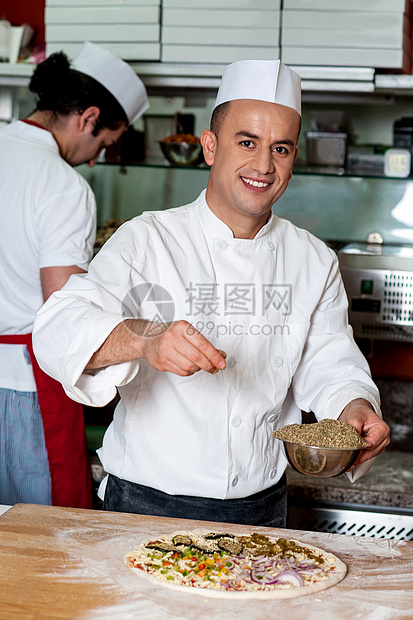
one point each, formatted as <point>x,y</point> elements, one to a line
<point>217,322</point>
<point>48,222</point>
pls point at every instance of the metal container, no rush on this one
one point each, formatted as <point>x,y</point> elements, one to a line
<point>379,285</point>
<point>326,148</point>
<point>320,462</point>
<point>182,153</point>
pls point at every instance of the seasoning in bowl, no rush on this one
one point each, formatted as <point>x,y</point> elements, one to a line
<point>327,433</point>
<point>189,138</point>
<point>182,149</point>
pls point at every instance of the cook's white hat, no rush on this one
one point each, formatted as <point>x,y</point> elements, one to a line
<point>115,75</point>
<point>264,80</point>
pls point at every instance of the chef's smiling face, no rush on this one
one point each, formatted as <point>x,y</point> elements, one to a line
<point>251,162</point>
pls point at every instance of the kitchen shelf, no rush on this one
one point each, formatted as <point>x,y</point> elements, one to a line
<point>343,172</point>
<point>298,169</point>
<point>151,163</point>
<point>164,78</point>
<point>15,74</point>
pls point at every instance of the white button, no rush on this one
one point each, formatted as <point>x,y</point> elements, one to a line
<point>231,362</point>
<point>270,245</point>
<point>278,361</point>
<point>273,473</point>
<point>235,481</point>
<point>222,245</point>
<point>236,422</point>
<point>272,417</point>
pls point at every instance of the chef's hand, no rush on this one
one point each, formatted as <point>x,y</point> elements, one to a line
<point>177,347</point>
<point>360,415</point>
<point>180,348</point>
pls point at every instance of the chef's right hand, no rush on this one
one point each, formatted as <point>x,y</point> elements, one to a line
<point>179,348</point>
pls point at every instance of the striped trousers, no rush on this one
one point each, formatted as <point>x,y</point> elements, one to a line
<point>24,466</point>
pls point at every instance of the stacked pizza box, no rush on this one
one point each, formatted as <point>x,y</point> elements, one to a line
<point>354,33</point>
<point>130,29</point>
<point>217,31</point>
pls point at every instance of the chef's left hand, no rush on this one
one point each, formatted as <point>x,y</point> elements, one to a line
<point>375,432</point>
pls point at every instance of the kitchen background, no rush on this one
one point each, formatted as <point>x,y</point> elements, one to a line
<point>355,59</point>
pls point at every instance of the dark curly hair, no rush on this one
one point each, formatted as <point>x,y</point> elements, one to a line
<point>64,91</point>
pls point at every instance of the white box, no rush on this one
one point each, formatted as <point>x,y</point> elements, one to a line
<point>102,33</point>
<point>215,36</point>
<point>402,6</point>
<point>222,18</point>
<point>220,4</point>
<point>217,54</point>
<point>102,15</point>
<point>347,57</point>
<point>299,37</point>
<point>349,74</point>
<point>126,51</point>
<point>339,20</point>
<point>100,3</point>
<point>340,86</point>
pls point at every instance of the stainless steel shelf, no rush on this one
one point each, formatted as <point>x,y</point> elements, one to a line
<point>15,74</point>
<point>159,76</point>
<point>207,77</point>
<point>162,78</point>
<point>397,84</point>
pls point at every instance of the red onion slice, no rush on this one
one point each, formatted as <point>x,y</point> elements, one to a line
<point>289,576</point>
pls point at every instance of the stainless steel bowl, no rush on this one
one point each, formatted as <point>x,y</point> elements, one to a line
<point>182,153</point>
<point>322,462</point>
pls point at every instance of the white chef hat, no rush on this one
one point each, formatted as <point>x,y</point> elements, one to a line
<point>115,75</point>
<point>264,80</point>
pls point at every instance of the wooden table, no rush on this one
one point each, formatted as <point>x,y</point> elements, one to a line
<point>59,563</point>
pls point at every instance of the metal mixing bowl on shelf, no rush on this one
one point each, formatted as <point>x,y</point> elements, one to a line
<point>320,462</point>
<point>182,153</point>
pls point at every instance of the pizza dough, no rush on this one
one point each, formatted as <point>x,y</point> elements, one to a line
<point>220,564</point>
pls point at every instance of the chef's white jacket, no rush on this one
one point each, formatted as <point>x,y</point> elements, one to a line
<point>275,304</point>
<point>48,219</point>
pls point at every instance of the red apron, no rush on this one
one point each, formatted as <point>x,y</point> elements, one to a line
<point>64,431</point>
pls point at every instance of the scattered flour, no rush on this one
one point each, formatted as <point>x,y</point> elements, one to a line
<point>97,556</point>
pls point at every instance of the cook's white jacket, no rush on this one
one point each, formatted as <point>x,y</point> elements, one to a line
<point>48,219</point>
<point>275,304</point>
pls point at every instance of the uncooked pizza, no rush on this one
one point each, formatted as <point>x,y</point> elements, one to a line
<point>222,564</point>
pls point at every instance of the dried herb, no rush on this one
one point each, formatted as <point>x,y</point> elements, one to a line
<point>324,434</point>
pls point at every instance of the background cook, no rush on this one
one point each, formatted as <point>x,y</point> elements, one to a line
<point>48,221</point>
<point>172,287</point>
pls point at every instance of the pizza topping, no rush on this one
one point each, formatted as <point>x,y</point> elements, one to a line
<point>258,544</point>
<point>204,549</point>
<point>254,562</point>
<point>162,546</point>
<point>216,536</point>
<point>234,546</point>
<point>180,539</point>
